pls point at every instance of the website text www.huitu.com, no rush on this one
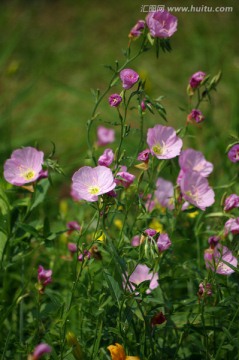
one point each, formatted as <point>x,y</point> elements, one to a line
<point>187,9</point>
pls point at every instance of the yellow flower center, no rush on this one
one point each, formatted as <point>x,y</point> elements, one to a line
<point>29,175</point>
<point>94,190</point>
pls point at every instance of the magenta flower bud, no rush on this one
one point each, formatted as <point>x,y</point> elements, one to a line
<point>196,79</point>
<point>106,158</point>
<point>144,155</point>
<point>43,174</point>
<point>135,240</point>
<point>233,153</point>
<point>136,30</point>
<point>201,289</point>
<point>150,232</point>
<point>213,241</point>
<point>40,350</point>
<point>128,77</point>
<point>73,226</point>
<point>86,255</point>
<point>161,24</point>
<point>124,179</point>
<point>112,193</point>
<point>24,166</point>
<point>44,276</point>
<point>105,136</point>
<point>164,142</point>
<point>143,105</point>
<point>72,247</point>
<point>231,202</point>
<point>163,242</point>
<point>115,100</point>
<point>196,115</point>
<point>232,226</point>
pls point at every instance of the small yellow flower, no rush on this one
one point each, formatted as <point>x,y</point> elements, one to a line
<point>192,215</point>
<point>155,224</point>
<point>118,223</point>
<point>117,353</point>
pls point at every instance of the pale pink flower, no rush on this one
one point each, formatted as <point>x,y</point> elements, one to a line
<point>128,77</point>
<point>142,273</point>
<point>136,31</point>
<point>124,178</point>
<point>40,350</point>
<point>165,193</point>
<point>231,202</point>
<point>233,153</point>
<point>106,158</point>
<point>214,260</point>
<point>135,241</point>
<point>161,24</point>
<point>89,183</point>
<point>192,160</point>
<point>196,79</point>
<point>196,190</point>
<point>24,166</point>
<point>163,242</point>
<point>163,142</point>
<point>105,136</point>
<point>232,226</point>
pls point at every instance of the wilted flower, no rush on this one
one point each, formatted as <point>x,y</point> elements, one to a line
<point>158,319</point>
<point>204,290</point>
<point>196,190</point>
<point>40,350</point>
<point>86,255</point>
<point>117,352</point>
<point>144,155</point>
<point>115,100</point>
<point>163,242</point>
<point>44,278</point>
<point>106,158</point>
<point>196,115</point>
<point>163,142</point>
<point>233,153</point>
<point>192,160</point>
<point>136,31</point>
<point>128,77</point>
<point>90,182</point>
<point>165,193</point>
<point>105,136</point>
<point>24,166</point>
<point>196,79</point>
<point>232,225</point>
<point>213,241</point>
<point>231,202</point>
<point>124,179</point>
<point>214,260</point>
<point>142,273</point>
<point>73,226</point>
<point>161,24</point>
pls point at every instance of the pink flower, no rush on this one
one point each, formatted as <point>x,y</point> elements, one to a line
<point>233,153</point>
<point>214,260</point>
<point>196,115</point>
<point>105,136</point>
<point>40,350</point>
<point>192,160</point>
<point>163,142</point>
<point>44,276</point>
<point>232,225</point>
<point>231,202</point>
<point>86,255</point>
<point>89,183</point>
<point>213,241</point>
<point>196,79</point>
<point>150,203</point>
<point>163,242</point>
<point>150,232</point>
<point>72,247</point>
<point>136,31</point>
<point>106,158</point>
<point>142,273</point>
<point>128,77</point>
<point>124,179</point>
<point>196,190</point>
<point>165,193</point>
<point>115,100</point>
<point>24,166</point>
<point>144,155</point>
<point>161,24</point>
<point>135,240</point>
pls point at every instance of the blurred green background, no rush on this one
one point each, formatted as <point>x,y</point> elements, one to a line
<point>52,53</point>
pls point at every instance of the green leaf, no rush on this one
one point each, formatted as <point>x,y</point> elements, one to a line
<point>40,193</point>
<point>115,290</point>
